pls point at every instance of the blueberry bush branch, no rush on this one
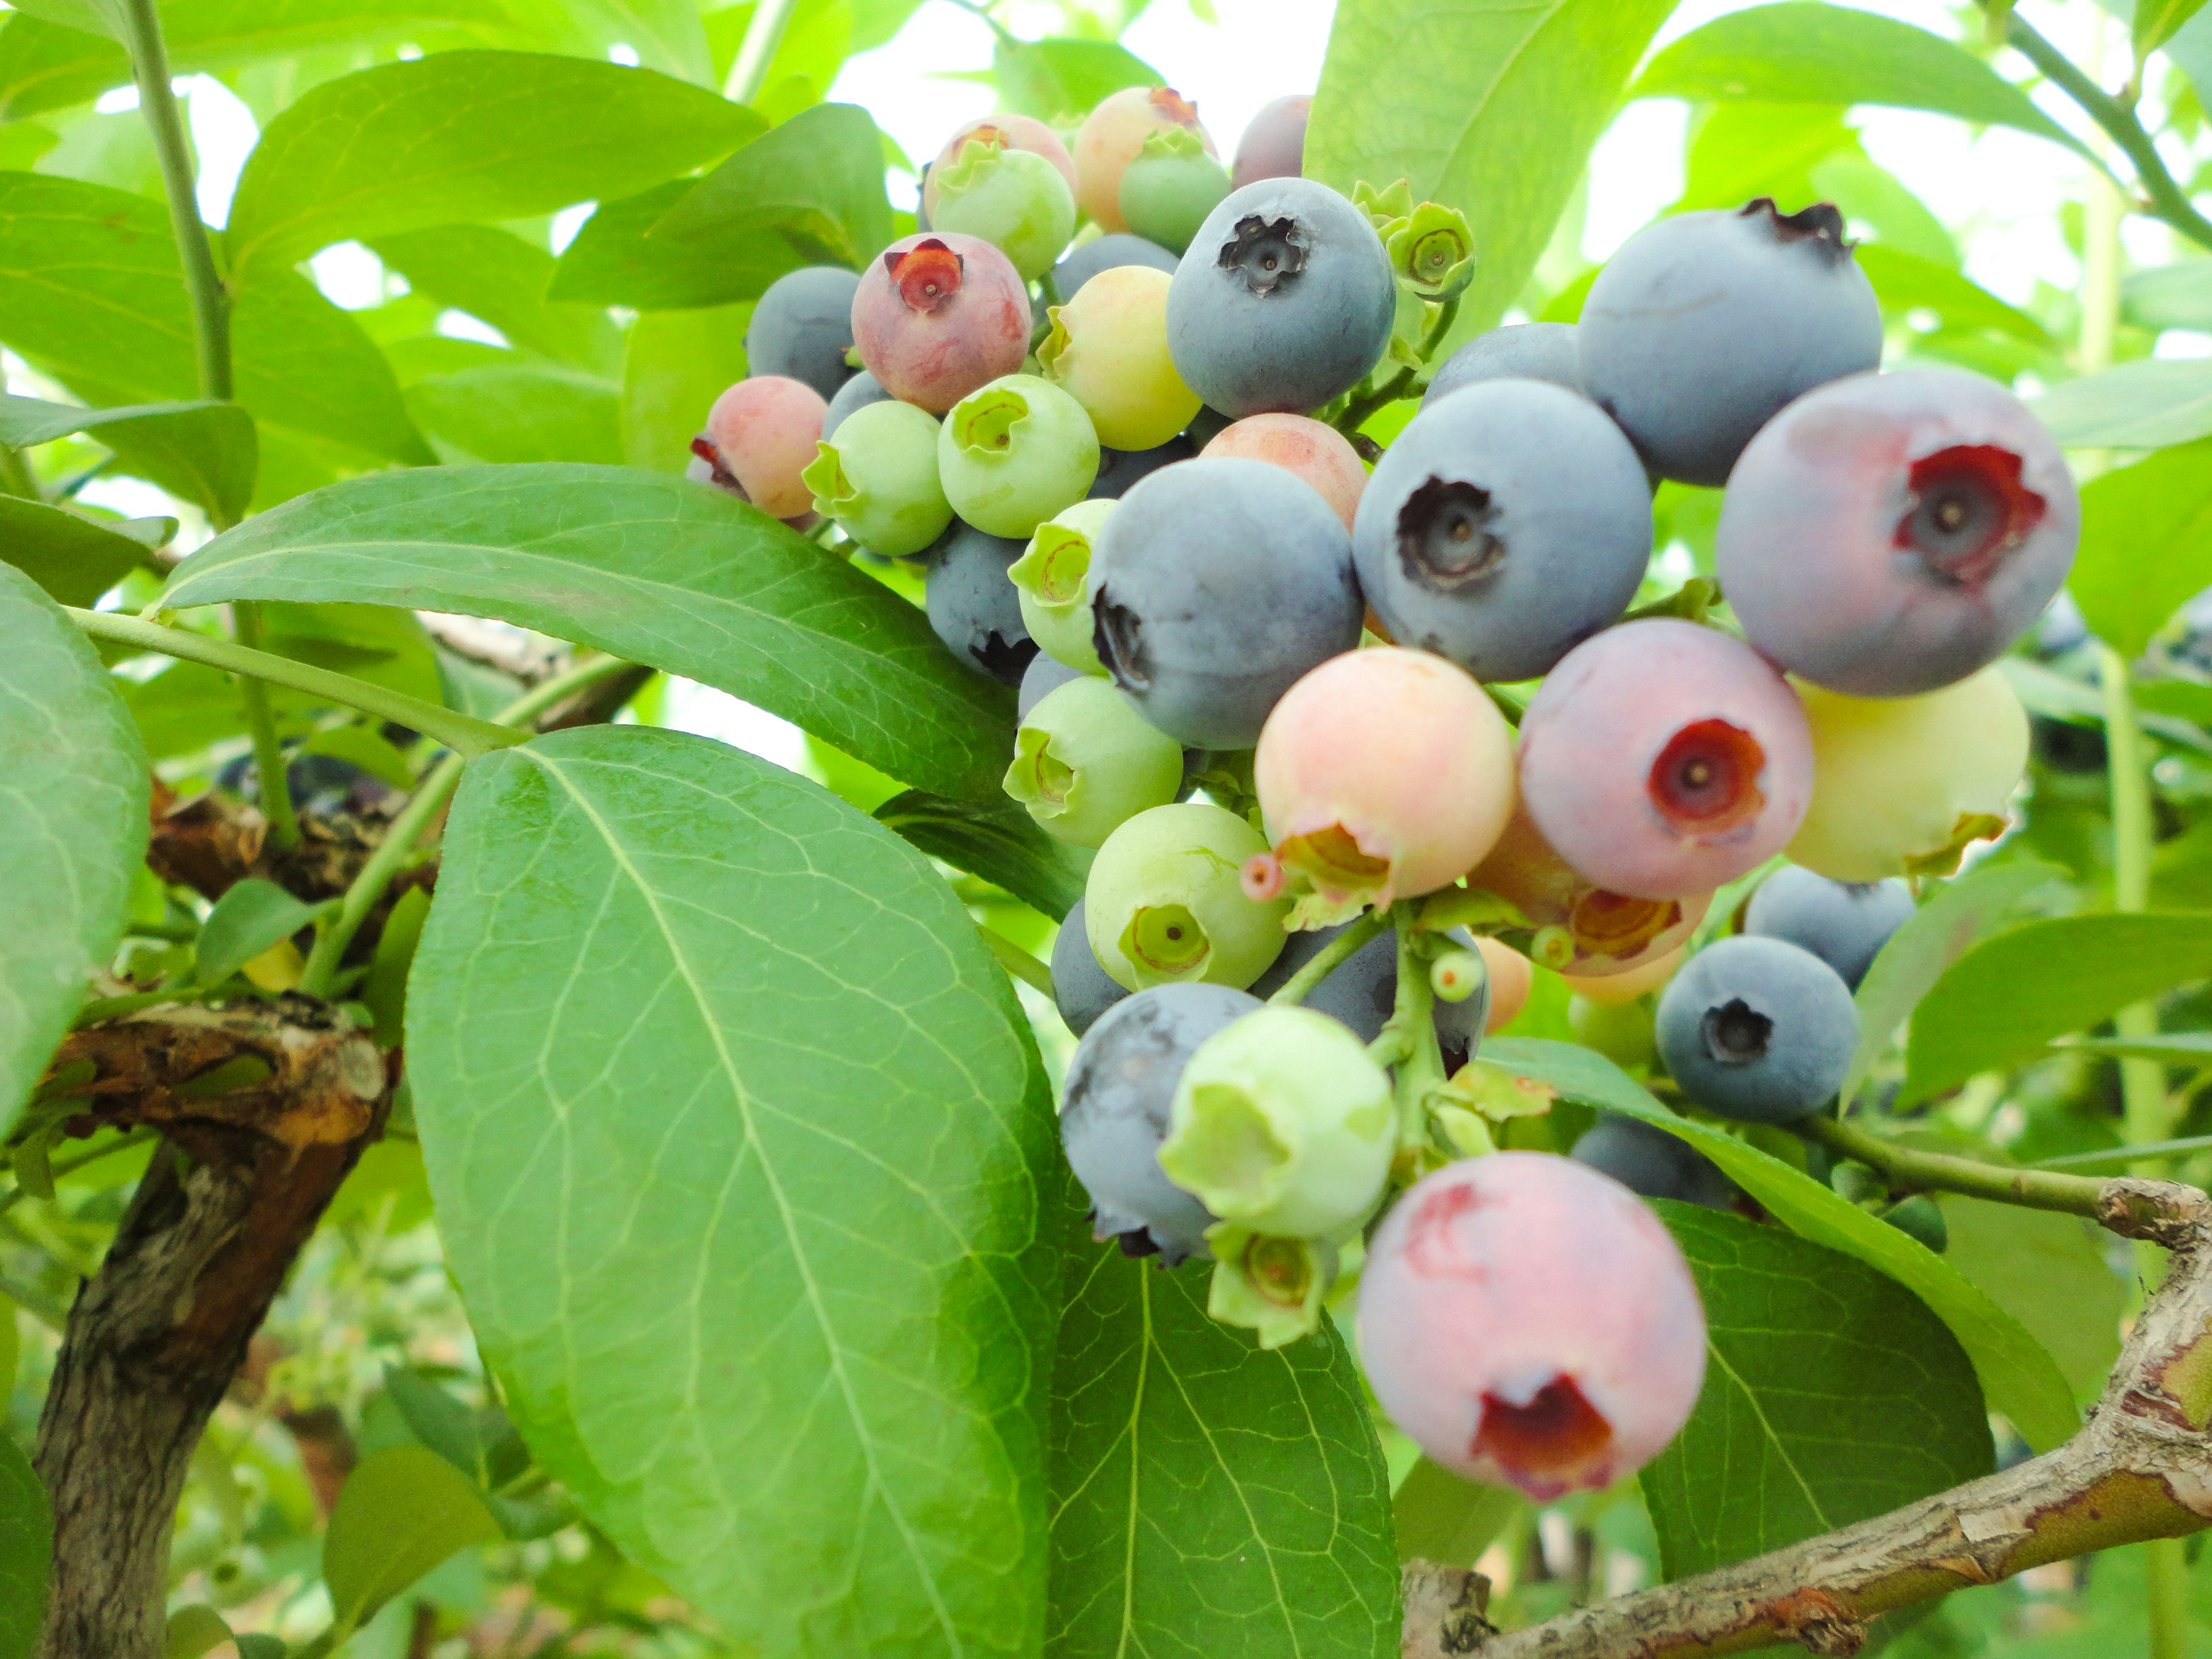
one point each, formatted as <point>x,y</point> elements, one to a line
<point>2141,1469</point>
<point>1912,1169</point>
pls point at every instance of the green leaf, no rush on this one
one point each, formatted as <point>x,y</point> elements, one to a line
<point>2157,21</point>
<point>74,558</point>
<point>1801,52</point>
<point>94,16</point>
<point>1441,1516</point>
<point>251,917</point>
<point>193,1630</point>
<point>385,989</point>
<point>675,364</point>
<point>1489,107</point>
<point>2002,1001</point>
<point>818,180</point>
<point>1960,913</point>
<point>90,289</point>
<point>2169,296</point>
<point>1208,1497</point>
<point>1905,282</point>
<point>623,257</point>
<point>402,1511</point>
<point>996,840</point>
<point>682,1018</point>
<point>2171,1049</point>
<point>650,568</point>
<point>519,412</point>
<point>496,276</point>
<point>2018,1378</point>
<point>1831,1394</point>
<point>73,835</point>
<point>2050,1272</point>
<point>464,136</point>
<point>2138,405</point>
<point>27,1548</point>
<point>2146,545</point>
<point>203,452</point>
<point>1064,80</point>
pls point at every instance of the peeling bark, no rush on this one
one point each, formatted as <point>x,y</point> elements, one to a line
<point>153,1342</point>
<point>2141,1467</point>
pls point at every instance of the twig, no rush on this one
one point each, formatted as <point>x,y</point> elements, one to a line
<point>2167,200</point>
<point>1939,1172</point>
<point>149,61</point>
<point>2141,1469</point>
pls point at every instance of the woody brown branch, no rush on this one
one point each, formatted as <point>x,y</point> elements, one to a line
<point>2141,1467</point>
<point>241,1177</point>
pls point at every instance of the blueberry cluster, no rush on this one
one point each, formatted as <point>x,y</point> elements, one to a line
<point>1282,695</point>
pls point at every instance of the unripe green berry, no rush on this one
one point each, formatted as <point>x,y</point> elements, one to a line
<point>1171,187</point>
<point>1164,905</point>
<point>1283,1123</point>
<point>1622,1031</point>
<point>1107,349</point>
<point>1014,200</point>
<point>1271,1286</point>
<point>876,475</point>
<point>1053,576</point>
<point>1085,762</point>
<point>1014,452</point>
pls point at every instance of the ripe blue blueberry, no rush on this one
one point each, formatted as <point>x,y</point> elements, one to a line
<point>972,606</point>
<point>1757,1029</point>
<point>1039,680</point>
<point>1363,989</point>
<point>1705,325</point>
<point>1652,1163</point>
<point>803,326</point>
<point>1216,584</point>
<point>1080,989</point>
<point>1509,522</point>
<point>857,392</point>
<point>1104,253</point>
<point>1842,922</point>
<point>1518,351</point>
<point>1284,300</point>
<point>1113,1116</point>
<point>1118,469</point>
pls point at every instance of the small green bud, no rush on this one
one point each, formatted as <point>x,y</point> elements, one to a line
<point>1920,1217</point>
<point>1858,1183</point>
<point>1495,1093</point>
<point>1054,578</point>
<point>1432,249</point>
<point>1553,947</point>
<point>1084,763</point>
<point>1270,1286</point>
<point>1394,201</point>
<point>1456,975</point>
<point>1283,1124</point>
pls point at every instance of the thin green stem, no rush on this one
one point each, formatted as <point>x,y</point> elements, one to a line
<point>2167,200</point>
<point>462,733</point>
<point>757,50</point>
<point>101,1008</point>
<point>261,725</point>
<point>149,61</point>
<point>1018,962</point>
<point>1940,1172</point>
<point>1357,411</point>
<point>2149,1115</point>
<point>16,477</point>
<point>2116,1160</point>
<point>2166,1594</point>
<point>335,931</point>
<point>1420,1065</point>
<point>1330,957</point>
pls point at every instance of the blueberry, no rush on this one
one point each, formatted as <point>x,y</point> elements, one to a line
<point>1118,469</point>
<point>1080,989</point>
<point>1705,325</point>
<point>1842,922</point>
<point>1652,1163</point>
<point>1274,143</point>
<point>1121,1087</point>
<point>1518,351</point>
<point>1104,253</point>
<point>803,326</point>
<point>1215,585</point>
<point>1363,989</point>
<point>1284,300</point>
<point>1509,522</point>
<point>1889,534</point>
<point>972,606</point>
<point>1757,1029</point>
<point>1039,680</point>
<point>858,393</point>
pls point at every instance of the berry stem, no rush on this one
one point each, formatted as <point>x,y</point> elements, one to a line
<point>1939,1172</point>
<point>149,63</point>
<point>2167,200</point>
<point>755,51</point>
<point>1412,1029</point>
<point>1327,960</point>
<point>1018,962</point>
<point>2143,1082</point>
<point>462,733</point>
<point>261,725</point>
<point>334,931</point>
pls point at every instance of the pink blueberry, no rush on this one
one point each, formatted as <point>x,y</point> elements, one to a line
<point>1313,449</point>
<point>938,314</point>
<point>761,434</point>
<point>1530,1323</point>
